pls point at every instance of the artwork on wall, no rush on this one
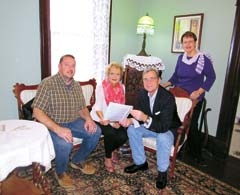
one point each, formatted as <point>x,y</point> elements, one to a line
<point>183,23</point>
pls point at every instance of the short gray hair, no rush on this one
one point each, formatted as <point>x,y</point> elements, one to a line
<point>151,69</point>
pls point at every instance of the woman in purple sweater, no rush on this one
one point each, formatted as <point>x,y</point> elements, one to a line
<point>195,74</point>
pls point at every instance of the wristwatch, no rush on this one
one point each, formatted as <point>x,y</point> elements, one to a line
<point>147,121</point>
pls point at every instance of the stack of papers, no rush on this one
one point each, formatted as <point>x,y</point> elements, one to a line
<point>117,112</point>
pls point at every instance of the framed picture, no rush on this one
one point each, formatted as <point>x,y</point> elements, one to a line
<point>183,23</point>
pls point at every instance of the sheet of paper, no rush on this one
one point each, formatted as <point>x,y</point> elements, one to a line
<point>117,112</point>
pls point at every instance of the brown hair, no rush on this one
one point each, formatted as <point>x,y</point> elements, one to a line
<point>64,56</point>
<point>115,65</point>
<point>189,34</point>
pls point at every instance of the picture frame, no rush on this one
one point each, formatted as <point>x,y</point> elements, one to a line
<point>183,23</point>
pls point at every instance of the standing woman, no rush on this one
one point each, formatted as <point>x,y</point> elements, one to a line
<point>195,74</point>
<point>110,90</point>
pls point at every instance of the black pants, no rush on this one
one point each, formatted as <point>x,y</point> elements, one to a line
<point>194,140</point>
<point>113,138</point>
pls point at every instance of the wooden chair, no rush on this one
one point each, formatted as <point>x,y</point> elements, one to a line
<point>132,80</point>
<point>23,94</point>
<point>133,83</point>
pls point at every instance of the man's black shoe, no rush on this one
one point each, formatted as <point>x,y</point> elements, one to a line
<point>161,181</point>
<point>134,168</point>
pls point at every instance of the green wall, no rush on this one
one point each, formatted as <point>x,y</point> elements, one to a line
<point>20,41</point>
<point>19,50</point>
<point>216,36</point>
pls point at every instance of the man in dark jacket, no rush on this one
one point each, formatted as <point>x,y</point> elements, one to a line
<point>156,116</point>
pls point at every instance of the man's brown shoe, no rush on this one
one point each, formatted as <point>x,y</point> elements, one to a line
<point>65,181</point>
<point>86,168</point>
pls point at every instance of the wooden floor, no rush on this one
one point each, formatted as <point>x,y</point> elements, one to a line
<point>226,170</point>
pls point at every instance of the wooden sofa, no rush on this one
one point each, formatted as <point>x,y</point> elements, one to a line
<point>25,93</point>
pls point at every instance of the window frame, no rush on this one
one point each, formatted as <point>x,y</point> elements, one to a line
<point>45,37</point>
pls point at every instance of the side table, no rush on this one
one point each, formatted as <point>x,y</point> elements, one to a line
<point>24,143</point>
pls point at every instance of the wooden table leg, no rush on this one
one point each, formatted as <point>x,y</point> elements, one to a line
<point>39,178</point>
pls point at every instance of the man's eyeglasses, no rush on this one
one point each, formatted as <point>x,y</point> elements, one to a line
<point>149,79</point>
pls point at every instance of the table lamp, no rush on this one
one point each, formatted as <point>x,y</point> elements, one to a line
<point>145,26</point>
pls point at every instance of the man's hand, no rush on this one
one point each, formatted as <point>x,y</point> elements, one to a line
<point>90,126</point>
<point>139,115</point>
<point>65,133</point>
<point>126,122</point>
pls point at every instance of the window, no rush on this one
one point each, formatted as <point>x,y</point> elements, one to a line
<point>78,27</point>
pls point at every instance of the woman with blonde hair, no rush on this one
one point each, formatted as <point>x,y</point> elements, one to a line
<point>110,90</point>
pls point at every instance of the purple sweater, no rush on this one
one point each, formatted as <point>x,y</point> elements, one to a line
<point>191,78</point>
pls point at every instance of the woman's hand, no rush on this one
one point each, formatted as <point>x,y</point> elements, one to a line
<point>126,122</point>
<point>195,94</point>
<point>104,122</point>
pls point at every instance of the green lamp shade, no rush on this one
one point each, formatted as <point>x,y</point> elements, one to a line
<point>145,25</point>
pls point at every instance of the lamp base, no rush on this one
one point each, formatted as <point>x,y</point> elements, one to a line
<point>143,53</point>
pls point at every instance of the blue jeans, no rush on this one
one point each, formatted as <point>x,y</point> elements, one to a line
<point>164,144</point>
<point>63,148</point>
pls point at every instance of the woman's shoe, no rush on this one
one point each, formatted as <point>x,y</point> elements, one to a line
<point>108,165</point>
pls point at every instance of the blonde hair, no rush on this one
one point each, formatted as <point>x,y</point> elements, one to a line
<point>115,65</point>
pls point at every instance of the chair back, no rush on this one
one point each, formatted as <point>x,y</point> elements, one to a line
<point>132,79</point>
<point>183,107</point>
<point>88,88</point>
<point>24,93</point>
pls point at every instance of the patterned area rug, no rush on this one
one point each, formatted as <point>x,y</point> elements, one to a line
<point>187,180</point>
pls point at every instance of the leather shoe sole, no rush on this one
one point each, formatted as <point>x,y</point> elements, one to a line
<point>134,168</point>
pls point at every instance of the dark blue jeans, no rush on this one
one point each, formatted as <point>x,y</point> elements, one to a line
<point>63,148</point>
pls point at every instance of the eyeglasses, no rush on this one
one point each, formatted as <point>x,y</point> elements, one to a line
<point>149,79</point>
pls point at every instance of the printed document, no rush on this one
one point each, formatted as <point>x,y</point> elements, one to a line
<point>117,112</point>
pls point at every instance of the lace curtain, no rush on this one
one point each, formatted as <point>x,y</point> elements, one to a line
<point>83,30</point>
